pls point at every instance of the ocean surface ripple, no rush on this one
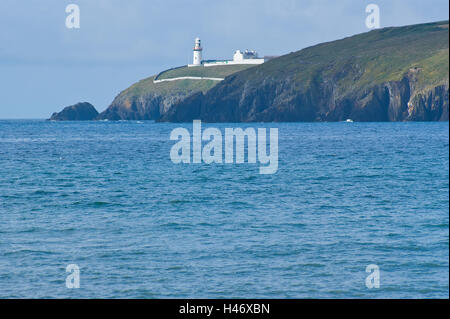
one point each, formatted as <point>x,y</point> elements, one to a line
<point>107,197</point>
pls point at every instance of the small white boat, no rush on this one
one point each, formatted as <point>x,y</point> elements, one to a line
<point>349,121</point>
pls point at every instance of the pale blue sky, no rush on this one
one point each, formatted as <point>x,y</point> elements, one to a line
<point>45,66</point>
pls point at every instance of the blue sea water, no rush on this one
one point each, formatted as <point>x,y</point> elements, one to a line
<point>106,196</point>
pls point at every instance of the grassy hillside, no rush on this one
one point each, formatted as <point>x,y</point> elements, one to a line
<point>210,71</point>
<point>374,57</point>
<point>389,74</point>
<point>146,86</point>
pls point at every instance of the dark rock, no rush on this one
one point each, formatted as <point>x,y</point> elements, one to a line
<point>144,107</point>
<point>78,112</point>
<point>278,101</point>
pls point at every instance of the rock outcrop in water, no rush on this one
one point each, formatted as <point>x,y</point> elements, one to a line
<point>78,112</point>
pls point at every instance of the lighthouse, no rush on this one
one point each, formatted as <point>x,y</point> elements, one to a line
<point>197,52</point>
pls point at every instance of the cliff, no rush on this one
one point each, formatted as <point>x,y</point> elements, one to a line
<point>147,100</point>
<point>390,74</point>
<point>78,112</point>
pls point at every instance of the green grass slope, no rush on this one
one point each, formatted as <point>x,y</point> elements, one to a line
<point>374,57</point>
<point>221,71</point>
<point>146,86</point>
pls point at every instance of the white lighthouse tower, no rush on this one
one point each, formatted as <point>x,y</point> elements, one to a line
<point>197,53</point>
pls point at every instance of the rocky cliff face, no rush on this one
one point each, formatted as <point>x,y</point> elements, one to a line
<point>78,112</point>
<point>147,100</point>
<point>144,107</point>
<point>431,105</point>
<point>278,101</point>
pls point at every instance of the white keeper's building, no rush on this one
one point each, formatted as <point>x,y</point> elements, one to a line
<point>239,57</point>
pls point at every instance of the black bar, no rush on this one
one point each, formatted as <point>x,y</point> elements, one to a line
<point>227,308</point>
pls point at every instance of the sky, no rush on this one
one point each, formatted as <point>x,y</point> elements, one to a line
<point>44,66</point>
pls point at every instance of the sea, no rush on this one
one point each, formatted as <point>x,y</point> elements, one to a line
<point>352,205</point>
